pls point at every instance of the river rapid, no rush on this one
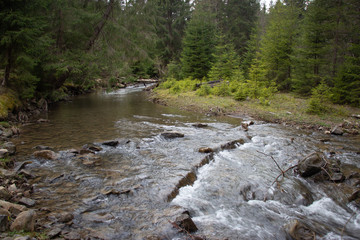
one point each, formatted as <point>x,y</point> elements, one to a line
<point>128,194</point>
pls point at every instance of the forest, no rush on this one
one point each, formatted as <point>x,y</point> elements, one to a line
<point>308,47</point>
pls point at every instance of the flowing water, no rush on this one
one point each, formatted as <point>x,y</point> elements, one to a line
<point>233,197</point>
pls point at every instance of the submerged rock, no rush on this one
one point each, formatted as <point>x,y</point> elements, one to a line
<point>45,154</point>
<point>299,231</point>
<point>172,135</point>
<point>200,125</point>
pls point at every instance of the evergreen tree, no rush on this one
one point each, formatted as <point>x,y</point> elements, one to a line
<point>237,19</point>
<point>22,41</point>
<point>278,42</point>
<point>312,62</point>
<point>198,43</point>
<point>171,16</point>
<point>225,60</point>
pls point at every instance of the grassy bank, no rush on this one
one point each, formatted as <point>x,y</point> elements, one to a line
<point>8,102</point>
<point>281,108</point>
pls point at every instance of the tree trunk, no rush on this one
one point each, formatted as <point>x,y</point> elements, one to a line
<point>7,68</point>
<point>100,25</point>
<point>60,33</point>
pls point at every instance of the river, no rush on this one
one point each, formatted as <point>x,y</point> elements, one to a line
<point>233,197</point>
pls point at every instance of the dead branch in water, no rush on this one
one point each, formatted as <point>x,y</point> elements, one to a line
<point>282,171</point>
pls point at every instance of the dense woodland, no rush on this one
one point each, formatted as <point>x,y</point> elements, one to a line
<point>311,48</point>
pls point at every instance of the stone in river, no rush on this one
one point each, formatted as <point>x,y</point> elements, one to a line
<point>172,135</point>
<point>45,154</point>
<point>311,165</point>
<point>184,221</point>
<point>112,143</point>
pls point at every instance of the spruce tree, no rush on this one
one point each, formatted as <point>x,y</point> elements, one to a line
<point>199,42</point>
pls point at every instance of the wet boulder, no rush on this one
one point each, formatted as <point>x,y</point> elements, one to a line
<point>45,154</point>
<point>24,221</point>
<point>232,144</point>
<point>205,150</point>
<point>172,135</point>
<point>311,165</point>
<point>185,222</point>
<point>112,143</point>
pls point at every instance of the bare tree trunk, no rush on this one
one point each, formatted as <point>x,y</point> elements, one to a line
<point>100,25</point>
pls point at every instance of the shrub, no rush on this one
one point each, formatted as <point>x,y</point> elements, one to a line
<point>204,90</point>
<point>319,97</point>
<point>222,90</point>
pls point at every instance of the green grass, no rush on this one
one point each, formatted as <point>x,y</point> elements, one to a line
<point>281,107</point>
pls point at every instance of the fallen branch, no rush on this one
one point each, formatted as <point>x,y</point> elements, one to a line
<point>282,172</point>
<point>343,229</point>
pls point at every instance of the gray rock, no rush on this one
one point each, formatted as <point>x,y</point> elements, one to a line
<point>27,202</point>
<point>4,193</point>
<point>4,153</point>
<point>67,217</point>
<point>24,221</point>
<point>172,135</point>
<point>311,165</point>
<point>13,208</point>
<point>337,130</point>
<point>10,147</point>
<point>4,223</point>
<point>54,233</point>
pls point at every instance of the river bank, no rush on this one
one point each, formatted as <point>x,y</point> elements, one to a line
<point>285,109</point>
